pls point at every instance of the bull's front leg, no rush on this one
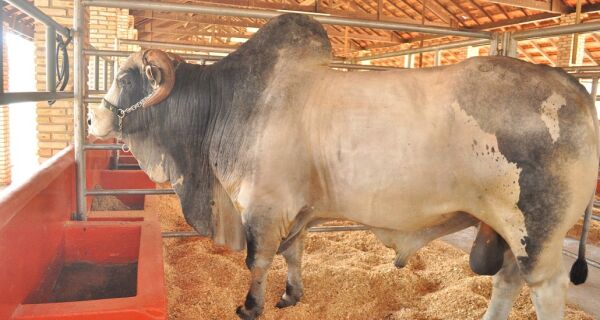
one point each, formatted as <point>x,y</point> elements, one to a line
<point>263,239</point>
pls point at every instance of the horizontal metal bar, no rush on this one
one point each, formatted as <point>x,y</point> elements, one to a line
<point>592,263</point>
<point>205,57</point>
<point>113,53</point>
<point>92,100</point>
<point>361,67</point>
<point>38,15</point>
<point>175,46</point>
<point>556,31</point>
<point>268,14</point>
<point>103,146</point>
<point>180,234</point>
<point>96,92</point>
<point>585,75</point>
<point>18,97</point>
<point>116,192</point>
<point>358,227</point>
<point>451,45</point>
<point>581,68</point>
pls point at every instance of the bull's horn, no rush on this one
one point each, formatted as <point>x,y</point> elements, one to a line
<point>158,67</point>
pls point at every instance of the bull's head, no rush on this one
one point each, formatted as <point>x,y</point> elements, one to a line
<point>146,79</point>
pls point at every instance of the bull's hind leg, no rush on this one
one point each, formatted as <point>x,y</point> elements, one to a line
<point>293,283</point>
<point>539,260</point>
<point>549,287</point>
<point>506,286</point>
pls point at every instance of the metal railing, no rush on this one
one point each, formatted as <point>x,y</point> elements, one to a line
<point>52,29</point>
<point>81,51</point>
<point>268,14</point>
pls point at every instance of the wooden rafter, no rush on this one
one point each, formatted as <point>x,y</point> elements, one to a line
<point>480,8</point>
<point>547,6</point>
<point>527,55</point>
<point>542,52</point>
<point>518,21</point>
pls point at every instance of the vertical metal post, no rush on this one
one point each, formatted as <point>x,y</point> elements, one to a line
<point>97,73</point>
<point>79,109</point>
<point>408,61</point>
<point>50,59</point>
<point>106,64</point>
<point>594,92</point>
<point>575,46</point>
<point>495,44</point>
<point>436,58</point>
<point>511,46</point>
<point>2,4</point>
<point>115,69</point>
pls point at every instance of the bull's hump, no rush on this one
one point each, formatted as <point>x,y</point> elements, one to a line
<point>295,35</point>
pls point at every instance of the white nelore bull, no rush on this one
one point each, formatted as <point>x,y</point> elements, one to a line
<point>269,140</point>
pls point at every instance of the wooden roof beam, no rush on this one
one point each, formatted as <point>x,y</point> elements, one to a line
<point>554,6</point>
<point>518,21</point>
<point>589,55</point>
<point>332,32</point>
<point>527,55</point>
<point>542,52</point>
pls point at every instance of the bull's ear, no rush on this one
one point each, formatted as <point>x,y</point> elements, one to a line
<point>154,75</point>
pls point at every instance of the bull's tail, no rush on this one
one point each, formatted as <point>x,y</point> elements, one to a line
<point>579,270</point>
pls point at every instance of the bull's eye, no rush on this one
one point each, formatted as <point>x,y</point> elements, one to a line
<point>124,82</point>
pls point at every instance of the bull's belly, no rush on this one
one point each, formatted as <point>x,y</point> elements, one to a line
<point>393,211</point>
<point>406,171</point>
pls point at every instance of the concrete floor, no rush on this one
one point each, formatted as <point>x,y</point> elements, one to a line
<point>586,296</point>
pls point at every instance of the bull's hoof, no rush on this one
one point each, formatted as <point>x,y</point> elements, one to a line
<point>400,262</point>
<point>246,314</point>
<point>287,301</point>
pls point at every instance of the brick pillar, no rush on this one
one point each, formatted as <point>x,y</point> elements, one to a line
<point>55,122</point>
<point>565,44</point>
<point>106,25</point>
<point>5,165</point>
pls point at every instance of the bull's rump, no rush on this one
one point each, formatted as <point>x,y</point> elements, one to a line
<point>413,143</point>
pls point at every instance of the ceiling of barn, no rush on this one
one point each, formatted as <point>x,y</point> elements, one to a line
<point>352,41</point>
<point>348,42</point>
<point>18,21</point>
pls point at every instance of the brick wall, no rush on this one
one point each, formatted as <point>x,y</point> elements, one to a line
<point>565,44</point>
<point>55,123</point>
<point>5,165</point>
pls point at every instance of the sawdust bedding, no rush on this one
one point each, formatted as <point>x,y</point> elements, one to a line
<point>593,235</point>
<point>347,275</point>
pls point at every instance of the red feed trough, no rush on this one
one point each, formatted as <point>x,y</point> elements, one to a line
<point>109,267</point>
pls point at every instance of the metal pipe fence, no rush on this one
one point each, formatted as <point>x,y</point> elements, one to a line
<point>52,28</point>
<point>268,14</point>
<point>451,45</point>
<point>34,12</point>
<point>81,97</point>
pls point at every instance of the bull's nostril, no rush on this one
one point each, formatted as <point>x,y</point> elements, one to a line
<point>89,122</point>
